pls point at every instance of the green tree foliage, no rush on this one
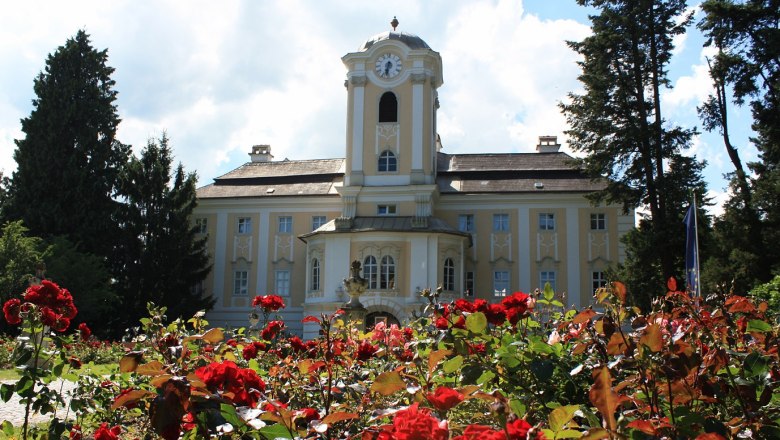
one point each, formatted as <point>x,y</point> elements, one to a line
<point>618,123</point>
<point>158,257</point>
<point>20,256</point>
<point>68,164</point>
<point>747,36</point>
<point>88,279</point>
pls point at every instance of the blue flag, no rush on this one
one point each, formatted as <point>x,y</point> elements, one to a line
<point>691,251</point>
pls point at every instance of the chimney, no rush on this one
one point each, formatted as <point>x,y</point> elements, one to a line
<point>548,144</point>
<point>261,153</point>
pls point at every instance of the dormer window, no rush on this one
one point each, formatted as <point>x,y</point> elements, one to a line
<point>387,162</point>
<point>388,108</point>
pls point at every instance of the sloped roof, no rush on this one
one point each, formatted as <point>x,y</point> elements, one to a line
<point>285,168</point>
<point>410,40</point>
<point>388,224</point>
<point>503,162</point>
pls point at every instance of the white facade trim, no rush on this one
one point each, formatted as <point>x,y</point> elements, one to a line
<point>573,256</point>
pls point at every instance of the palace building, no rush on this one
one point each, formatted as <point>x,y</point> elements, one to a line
<point>479,225</point>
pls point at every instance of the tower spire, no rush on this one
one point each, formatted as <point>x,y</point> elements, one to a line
<point>394,23</point>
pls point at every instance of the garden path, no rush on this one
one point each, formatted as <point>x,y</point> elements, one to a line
<point>13,410</point>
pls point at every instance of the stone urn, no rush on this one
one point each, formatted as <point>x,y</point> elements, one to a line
<point>355,286</point>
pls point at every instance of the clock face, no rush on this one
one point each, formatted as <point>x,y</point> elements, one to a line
<point>388,65</point>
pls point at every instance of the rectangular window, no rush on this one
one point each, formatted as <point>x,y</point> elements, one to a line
<point>317,221</point>
<point>547,277</point>
<point>244,225</point>
<point>240,283</point>
<point>282,282</point>
<point>469,284</point>
<point>598,280</point>
<point>500,222</point>
<point>466,222</point>
<point>500,282</point>
<point>598,222</point>
<point>547,221</point>
<point>285,225</point>
<point>385,210</point>
<point>201,225</point>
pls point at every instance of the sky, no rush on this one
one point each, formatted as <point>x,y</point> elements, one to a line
<point>219,77</point>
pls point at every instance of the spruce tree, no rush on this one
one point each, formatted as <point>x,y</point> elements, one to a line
<point>618,123</point>
<point>159,257</point>
<point>69,160</point>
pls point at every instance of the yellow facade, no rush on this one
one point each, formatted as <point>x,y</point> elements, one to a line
<point>480,226</point>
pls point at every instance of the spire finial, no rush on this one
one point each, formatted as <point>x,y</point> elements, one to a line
<point>394,23</point>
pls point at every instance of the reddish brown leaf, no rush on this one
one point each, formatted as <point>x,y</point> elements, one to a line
<point>338,417</point>
<point>435,357</point>
<point>130,361</point>
<point>652,338</point>
<point>643,425</point>
<point>167,409</point>
<point>213,335</point>
<point>671,284</point>
<point>388,383</point>
<point>739,304</point>
<point>584,316</point>
<point>152,368</point>
<point>617,344</point>
<point>603,397</point>
<point>620,290</point>
<point>710,436</point>
<point>131,397</point>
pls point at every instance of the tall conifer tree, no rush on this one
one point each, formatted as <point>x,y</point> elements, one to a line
<point>159,257</point>
<point>69,160</point>
<point>619,124</point>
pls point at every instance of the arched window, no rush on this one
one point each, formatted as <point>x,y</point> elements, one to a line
<point>370,272</point>
<point>449,275</point>
<point>388,108</point>
<point>387,273</point>
<point>387,161</point>
<point>315,274</point>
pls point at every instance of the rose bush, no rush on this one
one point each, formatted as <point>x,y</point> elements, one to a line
<point>523,368</point>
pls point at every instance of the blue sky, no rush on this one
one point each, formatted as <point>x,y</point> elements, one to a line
<point>220,77</point>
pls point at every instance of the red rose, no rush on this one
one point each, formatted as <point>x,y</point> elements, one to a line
<point>481,432</point>
<point>408,333</point>
<point>495,314</point>
<point>11,310</point>
<point>250,351</point>
<point>442,323</point>
<point>271,330</point>
<point>515,306</point>
<point>465,305</point>
<point>106,433</point>
<point>269,303</point>
<point>417,424</point>
<point>306,415</point>
<point>296,344</point>
<point>84,331</point>
<point>75,433</point>
<point>460,322</point>
<point>518,429</point>
<point>243,383</point>
<point>74,362</point>
<point>366,351</point>
<point>444,398</point>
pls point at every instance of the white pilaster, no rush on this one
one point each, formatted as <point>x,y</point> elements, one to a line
<point>573,257</point>
<point>220,247</point>
<point>418,81</point>
<point>524,249</point>
<point>263,233</point>
<point>358,104</point>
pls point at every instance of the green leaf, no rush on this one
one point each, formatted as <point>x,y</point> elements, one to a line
<point>6,391</point>
<point>228,412</point>
<point>543,369</point>
<point>568,433</point>
<point>560,417</point>
<point>452,365</point>
<point>470,374</point>
<point>517,407</point>
<point>275,431</point>
<point>388,383</point>
<point>24,357</point>
<point>757,325</point>
<point>8,428</point>
<point>476,323</point>
<point>549,293</point>
<point>24,386</point>
<point>485,377</point>
<point>756,365</point>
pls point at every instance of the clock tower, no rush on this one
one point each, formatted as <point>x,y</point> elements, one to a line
<point>391,114</point>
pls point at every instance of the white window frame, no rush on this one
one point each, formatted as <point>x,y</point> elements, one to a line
<point>546,221</point>
<point>598,221</point>
<point>598,279</point>
<point>282,282</point>
<point>387,163</point>
<point>448,275</point>
<point>201,225</point>
<point>240,283</point>
<point>285,224</point>
<point>501,222</point>
<point>387,273</point>
<point>244,225</point>
<point>315,274</point>
<point>501,283</point>
<point>466,222</point>
<point>371,271</point>
<point>547,276</point>
<point>383,210</point>
<point>317,221</point>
